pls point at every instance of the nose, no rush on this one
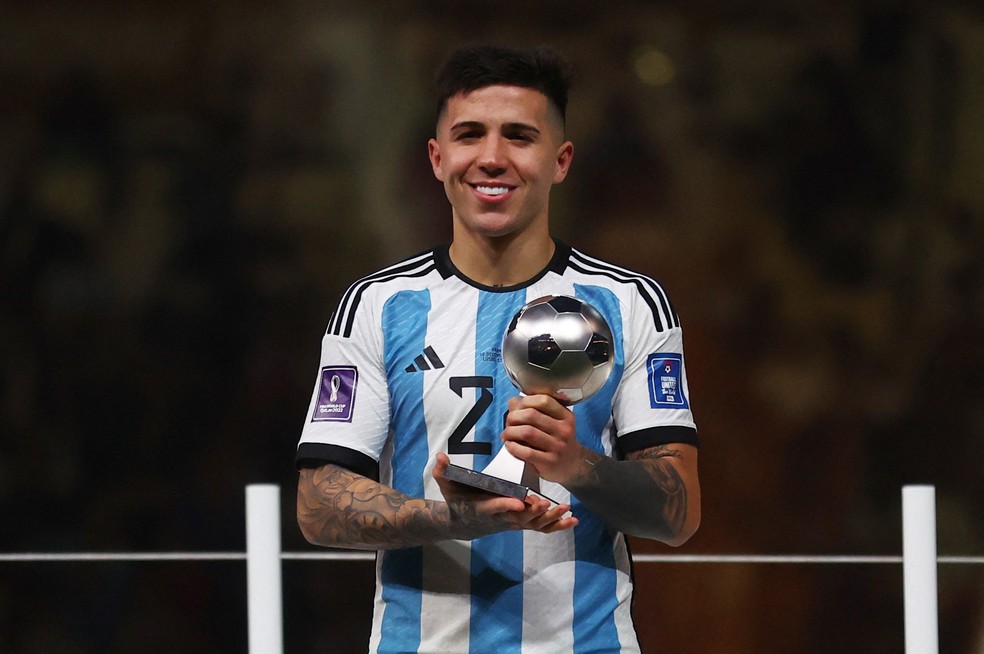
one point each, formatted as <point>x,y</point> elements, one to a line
<point>491,159</point>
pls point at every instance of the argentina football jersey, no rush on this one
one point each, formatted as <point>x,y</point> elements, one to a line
<point>411,365</point>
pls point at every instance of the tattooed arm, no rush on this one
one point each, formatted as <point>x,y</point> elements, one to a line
<point>655,493</point>
<point>340,508</point>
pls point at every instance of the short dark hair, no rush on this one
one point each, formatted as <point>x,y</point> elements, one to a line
<point>473,67</point>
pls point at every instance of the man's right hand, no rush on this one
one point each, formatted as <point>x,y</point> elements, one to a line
<point>478,513</point>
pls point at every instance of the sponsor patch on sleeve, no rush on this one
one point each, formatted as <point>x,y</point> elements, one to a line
<point>666,382</point>
<point>336,394</point>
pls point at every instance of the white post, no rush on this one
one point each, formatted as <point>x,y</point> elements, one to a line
<point>263,569</point>
<point>919,569</point>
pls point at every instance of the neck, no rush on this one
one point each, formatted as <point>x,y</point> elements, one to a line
<point>501,261</point>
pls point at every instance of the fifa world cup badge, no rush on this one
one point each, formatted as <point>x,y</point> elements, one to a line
<point>336,394</point>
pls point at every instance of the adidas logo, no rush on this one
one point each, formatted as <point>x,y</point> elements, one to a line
<point>421,363</point>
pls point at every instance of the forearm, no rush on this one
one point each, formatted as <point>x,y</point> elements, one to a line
<point>646,496</point>
<point>339,508</point>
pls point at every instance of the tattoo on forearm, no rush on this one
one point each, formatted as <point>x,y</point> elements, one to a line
<point>340,508</point>
<point>643,496</point>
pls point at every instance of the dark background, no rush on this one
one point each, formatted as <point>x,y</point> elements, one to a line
<point>187,187</point>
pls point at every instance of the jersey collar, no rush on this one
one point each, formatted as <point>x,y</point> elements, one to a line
<point>557,264</point>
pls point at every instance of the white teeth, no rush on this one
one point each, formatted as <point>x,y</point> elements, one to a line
<point>492,190</point>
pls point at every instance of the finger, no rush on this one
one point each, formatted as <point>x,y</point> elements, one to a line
<point>559,525</point>
<point>441,465</point>
<point>504,506</point>
<point>524,435</point>
<point>534,417</point>
<point>520,450</point>
<point>556,519</point>
<point>545,404</point>
<point>537,452</point>
<point>536,506</point>
<point>533,508</point>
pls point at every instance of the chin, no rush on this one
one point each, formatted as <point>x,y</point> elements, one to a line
<point>491,229</point>
<point>497,227</point>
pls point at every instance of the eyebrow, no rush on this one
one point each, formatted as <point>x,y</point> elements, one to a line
<point>474,124</point>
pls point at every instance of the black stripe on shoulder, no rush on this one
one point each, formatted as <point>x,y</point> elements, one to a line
<point>645,296</point>
<point>315,455</point>
<point>640,440</point>
<point>343,318</point>
<point>649,283</point>
<point>648,288</point>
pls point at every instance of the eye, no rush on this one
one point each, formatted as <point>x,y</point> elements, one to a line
<point>521,137</point>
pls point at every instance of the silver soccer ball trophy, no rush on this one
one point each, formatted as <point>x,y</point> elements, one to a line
<point>559,346</point>
<point>556,345</point>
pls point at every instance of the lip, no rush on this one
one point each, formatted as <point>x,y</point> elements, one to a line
<point>501,190</point>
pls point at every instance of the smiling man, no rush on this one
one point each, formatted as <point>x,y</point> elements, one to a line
<point>411,377</point>
<point>499,150</point>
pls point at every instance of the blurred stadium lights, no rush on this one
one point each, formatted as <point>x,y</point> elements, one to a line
<point>653,66</point>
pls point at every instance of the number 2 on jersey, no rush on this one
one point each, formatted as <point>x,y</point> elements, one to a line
<point>456,442</point>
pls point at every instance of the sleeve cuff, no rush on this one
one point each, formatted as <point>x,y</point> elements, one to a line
<point>644,438</point>
<point>313,455</point>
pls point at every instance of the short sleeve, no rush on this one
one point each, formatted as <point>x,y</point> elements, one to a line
<point>652,404</point>
<point>348,415</point>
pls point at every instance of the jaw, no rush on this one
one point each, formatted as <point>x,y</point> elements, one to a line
<point>495,221</point>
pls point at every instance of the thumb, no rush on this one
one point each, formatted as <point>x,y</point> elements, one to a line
<point>441,465</point>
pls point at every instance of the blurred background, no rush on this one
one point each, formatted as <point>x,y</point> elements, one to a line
<point>187,187</point>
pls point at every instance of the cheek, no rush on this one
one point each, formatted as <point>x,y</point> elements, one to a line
<point>451,168</point>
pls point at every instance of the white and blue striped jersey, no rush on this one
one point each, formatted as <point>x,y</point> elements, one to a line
<point>411,366</point>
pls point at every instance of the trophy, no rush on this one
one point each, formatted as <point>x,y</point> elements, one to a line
<point>556,345</point>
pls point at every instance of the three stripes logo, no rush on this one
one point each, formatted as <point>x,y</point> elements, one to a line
<point>425,361</point>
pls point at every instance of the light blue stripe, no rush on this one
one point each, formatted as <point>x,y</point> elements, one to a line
<point>404,322</point>
<point>496,560</point>
<point>594,569</point>
<point>593,414</point>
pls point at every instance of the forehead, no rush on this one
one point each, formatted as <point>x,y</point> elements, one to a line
<point>499,104</point>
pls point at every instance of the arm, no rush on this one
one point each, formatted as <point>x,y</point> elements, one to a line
<point>340,508</point>
<point>655,493</point>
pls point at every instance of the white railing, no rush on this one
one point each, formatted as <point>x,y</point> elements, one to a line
<point>264,559</point>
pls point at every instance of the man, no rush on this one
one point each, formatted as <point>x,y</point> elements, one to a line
<point>411,375</point>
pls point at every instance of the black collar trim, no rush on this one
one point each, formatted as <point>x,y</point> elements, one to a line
<point>557,264</point>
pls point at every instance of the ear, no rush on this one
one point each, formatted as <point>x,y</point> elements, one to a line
<point>565,154</point>
<point>434,154</point>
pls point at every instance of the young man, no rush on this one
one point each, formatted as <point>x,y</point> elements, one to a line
<point>411,376</point>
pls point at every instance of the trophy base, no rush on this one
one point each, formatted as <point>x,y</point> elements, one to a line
<point>487,483</point>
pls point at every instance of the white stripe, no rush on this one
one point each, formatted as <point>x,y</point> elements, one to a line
<point>548,592</point>
<point>549,286</point>
<point>623,592</point>
<point>345,306</point>
<point>454,340</point>
<point>447,566</point>
<point>651,287</point>
<point>378,608</point>
<point>444,624</point>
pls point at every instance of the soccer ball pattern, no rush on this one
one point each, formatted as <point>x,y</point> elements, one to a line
<point>560,346</point>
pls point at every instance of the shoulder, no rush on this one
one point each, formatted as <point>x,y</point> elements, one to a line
<point>637,291</point>
<point>413,272</point>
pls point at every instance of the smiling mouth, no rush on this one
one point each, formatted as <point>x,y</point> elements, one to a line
<point>487,189</point>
